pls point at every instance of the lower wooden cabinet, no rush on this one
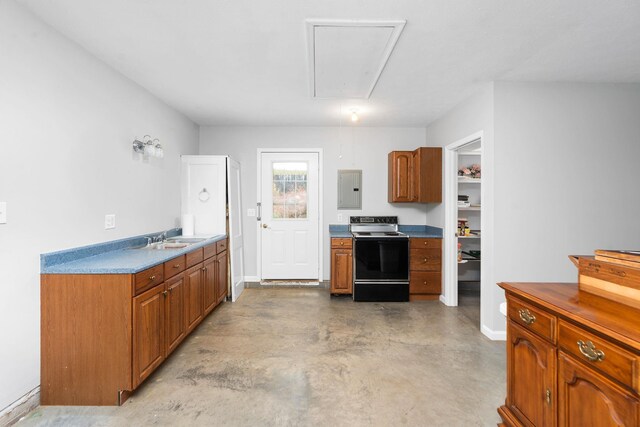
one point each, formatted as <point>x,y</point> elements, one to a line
<point>210,279</point>
<point>531,377</point>
<point>341,266</point>
<point>572,358</point>
<point>588,399</point>
<point>221,283</point>
<point>175,324</point>
<point>102,335</point>
<point>148,333</point>
<point>194,308</point>
<point>425,268</point>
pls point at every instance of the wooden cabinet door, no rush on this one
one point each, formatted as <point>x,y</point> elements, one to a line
<point>193,297</point>
<point>209,278</point>
<point>148,333</point>
<point>531,377</point>
<point>586,398</point>
<point>222,277</point>
<point>341,271</point>
<point>401,180</point>
<point>175,326</point>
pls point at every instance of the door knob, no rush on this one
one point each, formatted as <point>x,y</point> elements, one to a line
<point>265,226</point>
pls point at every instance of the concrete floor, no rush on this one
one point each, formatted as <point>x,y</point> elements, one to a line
<point>296,357</point>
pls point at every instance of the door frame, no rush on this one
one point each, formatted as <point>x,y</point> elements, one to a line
<point>260,151</point>
<point>450,295</point>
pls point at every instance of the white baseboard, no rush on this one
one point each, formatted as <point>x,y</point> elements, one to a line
<point>251,279</point>
<point>494,335</point>
<point>21,407</point>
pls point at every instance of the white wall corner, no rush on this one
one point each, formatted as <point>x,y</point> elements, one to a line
<point>494,335</point>
<point>21,407</point>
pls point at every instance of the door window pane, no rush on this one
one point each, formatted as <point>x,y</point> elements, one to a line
<point>290,190</point>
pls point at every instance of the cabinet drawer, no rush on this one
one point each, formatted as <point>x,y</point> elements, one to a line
<point>532,318</point>
<point>210,250</point>
<point>221,245</point>
<point>148,278</point>
<point>600,353</point>
<point>341,243</point>
<point>174,266</point>
<point>425,282</point>
<point>194,257</point>
<point>425,259</point>
<point>417,243</point>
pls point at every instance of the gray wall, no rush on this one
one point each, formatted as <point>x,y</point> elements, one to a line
<point>566,175</point>
<point>562,170</point>
<point>66,160</point>
<point>361,148</point>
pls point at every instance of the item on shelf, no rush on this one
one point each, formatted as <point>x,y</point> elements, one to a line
<point>463,204</point>
<point>467,231</point>
<point>459,252</point>
<point>473,171</point>
<point>462,224</point>
<point>463,198</point>
<point>472,253</point>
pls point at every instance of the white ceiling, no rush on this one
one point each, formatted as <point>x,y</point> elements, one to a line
<point>244,62</point>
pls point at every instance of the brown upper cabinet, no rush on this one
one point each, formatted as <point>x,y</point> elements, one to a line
<point>415,176</point>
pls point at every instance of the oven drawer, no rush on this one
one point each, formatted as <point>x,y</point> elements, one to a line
<point>600,353</point>
<point>425,282</point>
<point>425,259</point>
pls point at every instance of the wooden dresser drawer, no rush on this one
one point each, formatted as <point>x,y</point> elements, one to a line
<point>194,257</point>
<point>425,282</point>
<point>419,243</point>
<point>341,243</point>
<point>425,259</point>
<point>148,278</point>
<point>532,318</point>
<point>221,246</point>
<point>600,353</point>
<point>174,266</point>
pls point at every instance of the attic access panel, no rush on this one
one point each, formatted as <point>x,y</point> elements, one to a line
<point>346,58</point>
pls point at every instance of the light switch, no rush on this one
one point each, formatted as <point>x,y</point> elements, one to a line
<point>340,218</point>
<point>251,212</point>
<point>109,221</point>
<point>3,212</point>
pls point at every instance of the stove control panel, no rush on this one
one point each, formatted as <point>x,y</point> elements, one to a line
<point>373,220</point>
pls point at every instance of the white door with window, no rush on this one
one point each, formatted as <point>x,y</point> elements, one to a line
<point>290,216</point>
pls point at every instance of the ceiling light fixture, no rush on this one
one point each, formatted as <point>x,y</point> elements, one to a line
<point>354,116</point>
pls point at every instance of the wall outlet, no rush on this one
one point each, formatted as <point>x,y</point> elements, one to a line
<point>340,218</point>
<point>3,212</point>
<point>109,221</point>
<point>251,212</point>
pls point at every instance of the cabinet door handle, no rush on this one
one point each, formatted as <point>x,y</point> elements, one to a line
<point>341,243</point>
<point>425,260</point>
<point>204,269</point>
<point>589,351</point>
<point>526,316</point>
<point>548,396</point>
<point>425,282</point>
<point>152,278</point>
<point>176,266</point>
<point>165,293</point>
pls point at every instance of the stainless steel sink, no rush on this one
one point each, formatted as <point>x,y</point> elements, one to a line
<point>189,240</point>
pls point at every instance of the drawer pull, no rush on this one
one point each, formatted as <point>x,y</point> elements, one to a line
<point>341,243</point>
<point>176,266</point>
<point>526,316</point>
<point>152,278</point>
<point>589,351</point>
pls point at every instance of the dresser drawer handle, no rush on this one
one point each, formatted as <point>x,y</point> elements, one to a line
<point>176,266</point>
<point>526,316</point>
<point>152,278</point>
<point>589,351</point>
